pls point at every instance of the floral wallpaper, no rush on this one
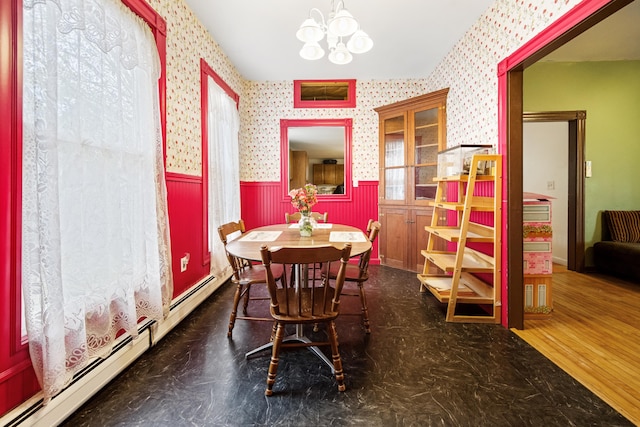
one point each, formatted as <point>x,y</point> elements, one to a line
<point>265,103</point>
<point>187,42</point>
<point>469,71</point>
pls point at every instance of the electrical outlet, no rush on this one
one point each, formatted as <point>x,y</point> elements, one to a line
<point>184,261</point>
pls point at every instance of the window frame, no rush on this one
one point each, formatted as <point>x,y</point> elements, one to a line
<point>350,102</point>
<point>205,72</point>
<point>11,138</point>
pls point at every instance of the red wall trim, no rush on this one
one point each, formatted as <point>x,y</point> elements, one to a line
<point>179,177</point>
<point>565,23</point>
<point>350,102</point>
<point>17,379</point>
<point>159,28</point>
<point>207,70</point>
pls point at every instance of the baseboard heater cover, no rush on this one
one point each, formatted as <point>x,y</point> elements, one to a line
<point>101,371</point>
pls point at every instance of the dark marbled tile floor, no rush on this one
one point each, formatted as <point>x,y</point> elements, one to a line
<point>414,369</point>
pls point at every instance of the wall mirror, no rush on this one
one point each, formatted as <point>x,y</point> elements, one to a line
<point>316,151</point>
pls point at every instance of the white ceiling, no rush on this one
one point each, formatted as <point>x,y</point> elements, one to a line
<point>410,37</point>
<point>616,38</point>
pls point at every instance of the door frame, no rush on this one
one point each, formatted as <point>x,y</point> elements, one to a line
<point>510,118</point>
<point>575,199</point>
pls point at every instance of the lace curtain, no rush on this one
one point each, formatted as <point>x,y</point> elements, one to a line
<point>95,239</point>
<point>223,124</point>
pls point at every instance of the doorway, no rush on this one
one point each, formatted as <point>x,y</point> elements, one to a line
<point>511,117</point>
<point>574,212</point>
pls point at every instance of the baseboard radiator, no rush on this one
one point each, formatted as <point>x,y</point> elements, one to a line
<point>101,371</point>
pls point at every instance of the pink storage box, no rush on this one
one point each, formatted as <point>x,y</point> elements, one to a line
<point>538,263</point>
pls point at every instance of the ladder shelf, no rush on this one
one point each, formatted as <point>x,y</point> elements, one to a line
<point>466,275</point>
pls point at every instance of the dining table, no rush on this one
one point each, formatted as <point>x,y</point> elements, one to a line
<point>248,246</point>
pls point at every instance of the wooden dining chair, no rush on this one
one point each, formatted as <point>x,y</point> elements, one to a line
<point>244,275</point>
<point>291,218</point>
<point>310,302</point>
<point>359,273</point>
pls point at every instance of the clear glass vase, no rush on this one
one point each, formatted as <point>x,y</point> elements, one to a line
<point>306,224</point>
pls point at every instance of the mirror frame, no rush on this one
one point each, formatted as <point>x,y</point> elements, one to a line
<point>285,124</point>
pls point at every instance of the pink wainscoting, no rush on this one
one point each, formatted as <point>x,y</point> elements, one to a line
<point>262,204</point>
<point>184,197</point>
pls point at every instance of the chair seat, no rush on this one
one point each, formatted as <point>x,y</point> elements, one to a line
<point>257,274</point>
<point>352,273</point>
<point>306,312</point>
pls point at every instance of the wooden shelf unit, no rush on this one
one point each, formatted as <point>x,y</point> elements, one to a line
<point>455,281</point>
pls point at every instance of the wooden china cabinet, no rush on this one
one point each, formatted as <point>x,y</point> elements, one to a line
<point>412,132</point>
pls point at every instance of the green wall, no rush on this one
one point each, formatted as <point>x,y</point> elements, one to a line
<point>610,94</point>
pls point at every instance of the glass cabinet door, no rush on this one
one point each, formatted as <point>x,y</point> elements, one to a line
<point>394,158</point>
<point>425,157</point>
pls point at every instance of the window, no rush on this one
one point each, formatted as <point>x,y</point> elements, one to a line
<point>95,226</point>
<point>324,93</point>
<point>220,162</point>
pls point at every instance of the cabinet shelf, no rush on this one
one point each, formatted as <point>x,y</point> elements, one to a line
<point>456,282</point>
<point>434,145</point>
<point>429,125</point>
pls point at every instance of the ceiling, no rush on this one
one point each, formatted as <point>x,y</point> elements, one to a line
<point>617,38</point>
<point>411,37</point>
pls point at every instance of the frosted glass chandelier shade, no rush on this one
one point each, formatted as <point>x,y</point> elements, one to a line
<point>341,24</point>
<point>311,51</point>
<point>340,55</point>
<point>310,31</point>
<point>360,42</point>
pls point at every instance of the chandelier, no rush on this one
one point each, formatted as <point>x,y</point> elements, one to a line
<point>339,25</point>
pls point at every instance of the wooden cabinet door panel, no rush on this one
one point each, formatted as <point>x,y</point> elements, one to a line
<point>420,219</point>
<point>394,249</point>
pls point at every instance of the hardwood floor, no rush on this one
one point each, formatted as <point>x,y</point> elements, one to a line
<point>594,335</point>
